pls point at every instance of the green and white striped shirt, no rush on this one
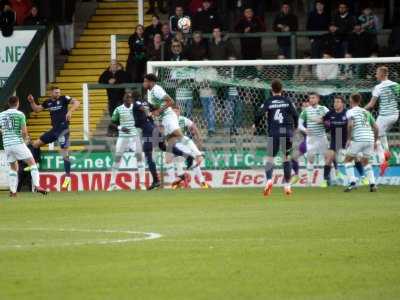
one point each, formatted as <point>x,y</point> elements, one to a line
<point>124,115</point>
<point>312,117</point>
<point>184,94</point>
<point>11,123</point>
<point>362,124</point>
<point>184,124</point>
<point>157,98</point>
<point>388,94</point>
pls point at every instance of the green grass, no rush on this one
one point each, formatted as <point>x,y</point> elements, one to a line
<point>217,244</point>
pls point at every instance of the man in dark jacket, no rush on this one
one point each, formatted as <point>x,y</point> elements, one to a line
<point>34,18</point>
<point>7,20</point>
<point>206,19</point>
<point>151,30</point>
<point>332,42</point>
<point>115,74</point>
<point>344,22</point>
<point>250,47</point>
<point>219,49</point>
<point>318,20</point>
<point>360,42</point>
<point>198,48</point>
<point>285,21</point>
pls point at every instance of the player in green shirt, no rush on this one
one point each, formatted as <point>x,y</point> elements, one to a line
<point>14,131</point>
<point>362,136</point>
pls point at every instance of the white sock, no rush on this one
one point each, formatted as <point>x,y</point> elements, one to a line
<point>114,171</point>
<point>142,171</point>
<point>369,172</point>
<point>333,174</point>
<point>13,180</point>
<point>179,164</point>
<point>199,174</point>
<point>381,152</point>
<point>350,172</point>
<point>170,172</point>
<point>384,142</point>
<point>35,175</point>
<point>310,172</point>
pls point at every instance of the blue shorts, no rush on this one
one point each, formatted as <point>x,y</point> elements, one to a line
<point>59,135</point>
<point>279,143</point>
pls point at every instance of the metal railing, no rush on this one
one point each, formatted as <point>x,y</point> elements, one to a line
<point>294,36</point>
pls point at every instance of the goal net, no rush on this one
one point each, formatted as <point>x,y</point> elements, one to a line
<point>222,97</point>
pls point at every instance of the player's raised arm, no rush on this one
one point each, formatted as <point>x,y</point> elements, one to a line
<point>371,104</point>
<point>35,107</point>
<point>74,106</point>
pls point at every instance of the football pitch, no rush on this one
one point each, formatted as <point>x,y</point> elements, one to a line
<point>201,244</point>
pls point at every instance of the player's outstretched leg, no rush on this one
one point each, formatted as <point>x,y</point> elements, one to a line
<point>13,179</point>
<point>114,171</point>
<point>67,169</point>
<point>351,179</point>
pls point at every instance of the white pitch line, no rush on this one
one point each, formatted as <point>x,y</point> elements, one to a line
<point>147,236</point>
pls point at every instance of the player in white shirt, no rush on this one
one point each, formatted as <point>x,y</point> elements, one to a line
<point>128,140</point>
<point>14,133</point>
<point>387,93</point>
<point>312,125</point>
<point>188,127</point>
<point>162,104</point>
<point>362,136</point>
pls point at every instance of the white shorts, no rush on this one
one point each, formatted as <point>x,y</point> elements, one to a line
<point>190,148</point>
<point>170,123</point>
<point>127,144</point>
<point>316,145</point>
<point>360,149</point>
<point>17,152</point>
<point>385,123</point>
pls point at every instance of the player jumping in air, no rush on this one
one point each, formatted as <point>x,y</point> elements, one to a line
<point>14,132</point>
<point>361,141</point>
<point>387,93</point>
<point>187,126</point>
<point>282,120</point>
<point>128,140</point>
<point>162,104</point>
<point>311,123</point>
<point>60,115</point>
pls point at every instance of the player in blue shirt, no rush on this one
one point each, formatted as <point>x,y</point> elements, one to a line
<point>151,137</point>
<point>282,119</point>
<point>61,109</point>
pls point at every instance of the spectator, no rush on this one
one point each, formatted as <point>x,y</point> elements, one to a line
<point>344,22</point>
<point>179,36</point>
<point>326,72</point>
<point>152,29</point>
<point>206,19</point>
<point>34,18</point>
<point>285,21</point>
<point>173,20</point>
<point>332,42</point>
<point>394,40</point>
<point>251,46</point>
<point>136,64</point>
<point>22,9</point>
<point>167,37</point>
<point>318,20</point>
<point>303,73</point>
<point>7,20</point>
<point>198,49</point>
<point>63,14</point>
<point>155,49</point>
<point>369,21</point>
<point>233,104</point>
<point>177,51</point>
<point>114,74</point>
<point>152,7</point>
<point>360,43</point>
<point>207,99</point>
<point>219,49</point>
<point>347,71</point>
